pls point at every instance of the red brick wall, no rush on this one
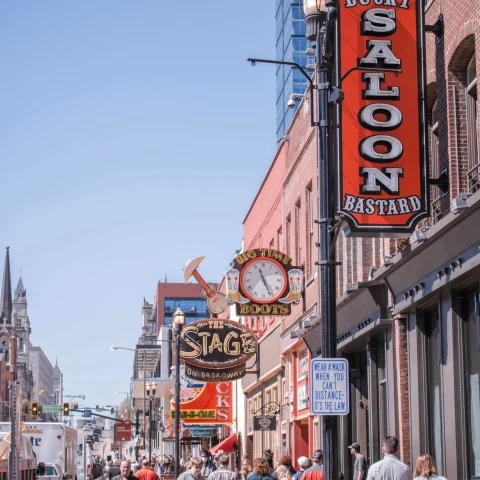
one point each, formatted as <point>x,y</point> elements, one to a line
<point>403,407</point>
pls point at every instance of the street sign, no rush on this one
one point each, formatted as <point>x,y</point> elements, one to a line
<point>202,432</point>
<point>329,386</point>
<point>265,423</point>
<point>114,447</point>
<point>51,408</point>
<point>87,413</point>
<point>124,431</point>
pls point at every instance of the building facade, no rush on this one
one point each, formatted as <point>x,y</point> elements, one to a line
<point>23,331</point>
<point>187,296</point>
<point>408,316</point>
<point>291,46</point>
<point>42,371</point>
<point>153,361</point>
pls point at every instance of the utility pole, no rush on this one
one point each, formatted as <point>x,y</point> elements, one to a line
<point>13,458</point>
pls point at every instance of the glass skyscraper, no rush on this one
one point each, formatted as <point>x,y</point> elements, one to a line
<point>291,46</point>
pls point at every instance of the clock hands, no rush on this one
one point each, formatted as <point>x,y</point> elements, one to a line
<point>265,282</point>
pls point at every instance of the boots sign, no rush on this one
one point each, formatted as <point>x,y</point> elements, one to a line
<point>263,282</point>
<point>383,171</point>
<point>216,350</point>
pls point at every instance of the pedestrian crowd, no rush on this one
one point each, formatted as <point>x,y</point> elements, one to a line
<point>208,467</point>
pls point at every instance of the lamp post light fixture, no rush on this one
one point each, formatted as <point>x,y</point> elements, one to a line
<point>150,391</point>
<point>122,348</point>
<point>178,321</point>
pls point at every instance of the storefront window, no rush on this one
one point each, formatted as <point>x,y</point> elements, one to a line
<point>302,364</point>
<point>472,387</point>
<point>433,387</point>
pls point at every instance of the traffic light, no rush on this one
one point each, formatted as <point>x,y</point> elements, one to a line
<point>112,411</point>
<point>35,409</point>
<point>97,408</point>
<point>75,406</point>
<point>25,409</point>
<point>66,409</point>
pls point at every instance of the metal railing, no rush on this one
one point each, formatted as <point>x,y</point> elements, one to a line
<point>473,178</point>
<point>437,209</point>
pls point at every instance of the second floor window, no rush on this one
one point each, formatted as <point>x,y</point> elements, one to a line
<point>310,230</point>
<point>298,233</point>
<point>473,174</point>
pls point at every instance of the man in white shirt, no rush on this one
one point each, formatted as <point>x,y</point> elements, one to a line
<point>390,468</point>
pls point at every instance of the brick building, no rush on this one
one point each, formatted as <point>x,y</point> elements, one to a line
<point>408,316</point>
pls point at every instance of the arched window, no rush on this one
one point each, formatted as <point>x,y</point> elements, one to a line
<point>5,349</point>
<point>473,175</point>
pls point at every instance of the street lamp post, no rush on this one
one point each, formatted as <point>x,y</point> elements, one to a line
<point>151,389</point>
<point>320,17</point>
<point>178,321</point>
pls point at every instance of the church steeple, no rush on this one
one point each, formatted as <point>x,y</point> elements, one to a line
<point>20,291</point>
<point>6,298</point>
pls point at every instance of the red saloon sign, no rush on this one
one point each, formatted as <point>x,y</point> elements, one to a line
<point>383,189</point>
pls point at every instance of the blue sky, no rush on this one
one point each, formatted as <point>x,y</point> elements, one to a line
<point>133,136</point>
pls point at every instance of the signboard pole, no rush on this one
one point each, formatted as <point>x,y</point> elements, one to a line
<point>178,331</point>
<point>321,28</point>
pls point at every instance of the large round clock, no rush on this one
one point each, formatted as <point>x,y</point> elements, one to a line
<point>263,280</point>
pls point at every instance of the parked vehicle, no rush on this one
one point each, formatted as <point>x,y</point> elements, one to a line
<point>81,464</point>
<point>53,471</point>
<point>52,443</point>
<point>28,462</point>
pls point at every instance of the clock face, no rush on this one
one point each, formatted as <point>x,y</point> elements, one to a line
<point>263,280</point>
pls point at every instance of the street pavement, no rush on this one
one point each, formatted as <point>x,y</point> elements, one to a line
<point>103,448</point>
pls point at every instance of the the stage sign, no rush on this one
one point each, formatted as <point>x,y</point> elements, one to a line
<point>263,282</point>
<point>383,178</point>
<point>216,350</point>
<point>265,423</point>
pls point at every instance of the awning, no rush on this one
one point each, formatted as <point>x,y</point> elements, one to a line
<point>229,445</point>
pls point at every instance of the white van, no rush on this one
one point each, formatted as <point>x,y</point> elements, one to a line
<point>53,443</point>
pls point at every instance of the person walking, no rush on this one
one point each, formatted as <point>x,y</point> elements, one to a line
<point>425,469</point>
<point>390,468</point>
<point>146,472</point>
<point>268,456</point>
<point>360,467</point>
<point>208,464</point>
<point>261,470</point>
<point>114,470</point>
<point>315,472</point>
<point>303,464</point>
<point>193,473</point>
<point>282,473</point>
<point>223,472</point>
<point>286,461</point>
<point>125,471</point>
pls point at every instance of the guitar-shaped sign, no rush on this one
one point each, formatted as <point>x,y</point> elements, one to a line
<point>216,301</point>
